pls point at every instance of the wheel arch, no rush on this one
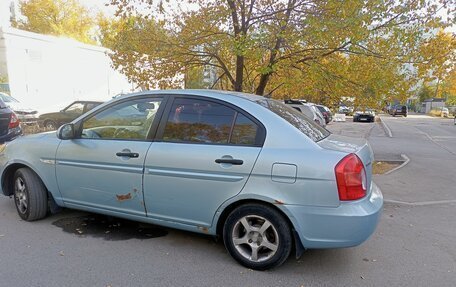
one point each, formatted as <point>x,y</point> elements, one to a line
<point>7,181</point>
<point>47,120</point>
<point>299,248</point>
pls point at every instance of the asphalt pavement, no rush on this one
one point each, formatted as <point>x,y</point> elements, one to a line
<point>414,245</point>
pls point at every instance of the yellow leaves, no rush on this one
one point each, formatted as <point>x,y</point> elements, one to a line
<point>57,17</point>
<point>438,56</point>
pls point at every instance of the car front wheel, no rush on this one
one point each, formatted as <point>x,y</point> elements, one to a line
<point>257,236</point>
<point>30,195</point>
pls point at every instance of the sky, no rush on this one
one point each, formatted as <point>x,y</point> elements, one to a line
<point>99,5</point>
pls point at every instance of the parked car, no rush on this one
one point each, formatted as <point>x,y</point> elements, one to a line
<point>10,127</point>
<point>345,110</point>
<point>51,121</point>
<point>309,110</point>
<point>252,170</point>
<point>25,114</point>
<point>326,112</point>
<point>367,115</point>
<point>445,112</point>
<point>400,110</point>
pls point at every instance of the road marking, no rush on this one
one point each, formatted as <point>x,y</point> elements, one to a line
<point>422,203</point>
<point>386,128</point>
<point>434,141</point>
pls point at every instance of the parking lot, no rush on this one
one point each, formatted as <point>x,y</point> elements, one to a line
<point>414,244</point>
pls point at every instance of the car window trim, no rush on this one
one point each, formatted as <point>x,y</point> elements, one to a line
<point>152,130</point>
<point>259,139</point>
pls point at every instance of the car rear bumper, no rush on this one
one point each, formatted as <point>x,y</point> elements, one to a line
<point>366,118</point>
<point>349,224</point>
<point>11,135</point>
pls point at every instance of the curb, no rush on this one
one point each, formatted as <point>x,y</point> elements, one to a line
<point>406,161</point>
<point>386,128</point>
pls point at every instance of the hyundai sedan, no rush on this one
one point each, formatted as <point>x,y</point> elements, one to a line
<point>251,170</point>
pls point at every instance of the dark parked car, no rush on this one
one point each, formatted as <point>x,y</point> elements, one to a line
<point>10,127</point>
<point>326,112</point>
<point>400,110</point>
<point>52,121</point>
<point>367,115</point>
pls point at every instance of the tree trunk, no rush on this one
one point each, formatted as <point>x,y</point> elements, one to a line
<point>239,73</point>
<point>262,84</point>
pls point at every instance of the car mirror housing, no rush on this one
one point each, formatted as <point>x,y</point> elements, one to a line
<point>66,132</point>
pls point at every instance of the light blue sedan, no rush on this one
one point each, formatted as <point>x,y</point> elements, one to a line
<point>246,168</point>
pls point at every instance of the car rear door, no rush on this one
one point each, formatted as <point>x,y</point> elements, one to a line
<point>103,169</point>
<point>204,154</point>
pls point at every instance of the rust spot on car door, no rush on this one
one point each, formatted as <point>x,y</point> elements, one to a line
<point>122,197</point>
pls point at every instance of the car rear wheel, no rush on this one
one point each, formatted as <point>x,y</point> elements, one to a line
<point>257,236</point>
<point>50,125</point>
<point>30,195</point>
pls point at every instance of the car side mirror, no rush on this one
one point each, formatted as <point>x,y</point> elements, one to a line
<point>66,132</point>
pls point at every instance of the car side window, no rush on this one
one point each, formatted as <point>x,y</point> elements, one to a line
<point>76,108</point>
<point>202,121</point>
<point>129,120</point>
<point>244,132</point>
<point>90,106</point>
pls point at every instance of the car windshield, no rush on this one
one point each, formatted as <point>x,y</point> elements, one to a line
<point>296,119</point>
<point>7,99</point>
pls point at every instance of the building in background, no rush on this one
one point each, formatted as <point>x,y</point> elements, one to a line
<point>432,103</point>
<point>47,72</point>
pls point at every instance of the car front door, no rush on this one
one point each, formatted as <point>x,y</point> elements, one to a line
<point>103,167</point>
<point>203,155</point>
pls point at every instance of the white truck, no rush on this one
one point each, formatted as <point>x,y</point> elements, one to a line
<point>47,73</point>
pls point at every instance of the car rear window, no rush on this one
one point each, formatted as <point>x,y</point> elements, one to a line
<point>296,119</point>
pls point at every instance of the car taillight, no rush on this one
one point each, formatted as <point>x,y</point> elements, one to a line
<point>351,178</point>
<point>14,121</point>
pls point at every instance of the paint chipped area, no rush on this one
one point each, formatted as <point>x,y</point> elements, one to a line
<point>123,197</point>
<point>108,228</point>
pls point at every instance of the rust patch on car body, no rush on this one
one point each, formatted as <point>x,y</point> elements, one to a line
<point>203,229</point>
<point>122,197</point>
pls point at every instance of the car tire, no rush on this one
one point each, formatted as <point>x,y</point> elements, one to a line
<point>30,195</point>
<point>249,244</point>
<point>50,125</point>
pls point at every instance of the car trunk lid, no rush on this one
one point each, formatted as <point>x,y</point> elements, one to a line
<point>358,146</point>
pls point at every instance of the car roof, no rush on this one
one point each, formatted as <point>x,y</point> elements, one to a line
<point>197,92</point>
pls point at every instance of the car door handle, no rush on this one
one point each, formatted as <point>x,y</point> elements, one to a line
<point>230,160</point>
<point>128,154</point>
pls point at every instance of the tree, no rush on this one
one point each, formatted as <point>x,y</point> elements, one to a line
<point>438,60</point>
<point>449,88</point>
<point>327,49</point>
<point>425,93</point>
<point>56,17</point>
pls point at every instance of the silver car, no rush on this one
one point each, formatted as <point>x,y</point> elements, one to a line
<point>25,114</point>
<point>251,170</point>
<point>310,110</point>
